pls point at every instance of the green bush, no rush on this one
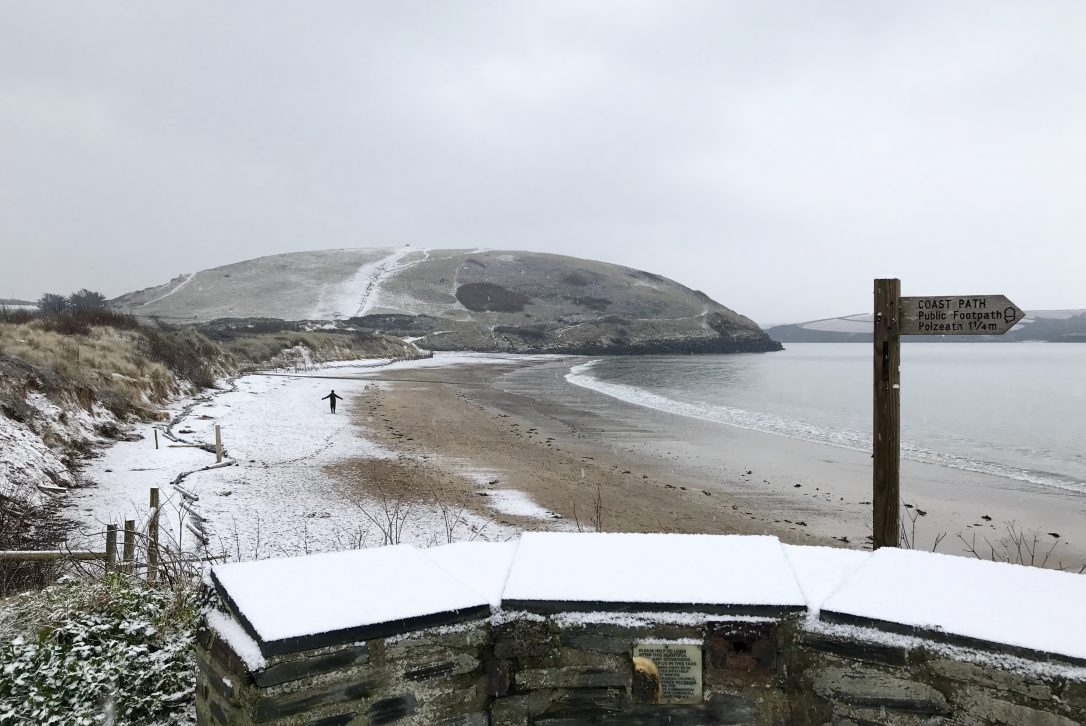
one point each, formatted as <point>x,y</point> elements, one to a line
<point>88,651</point>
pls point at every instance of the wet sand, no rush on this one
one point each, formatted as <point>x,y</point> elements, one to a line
<point>469,432</point>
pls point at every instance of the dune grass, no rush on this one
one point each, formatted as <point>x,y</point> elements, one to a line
<point>106,365</point>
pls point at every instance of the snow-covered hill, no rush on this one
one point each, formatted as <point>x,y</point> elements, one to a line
<point>462,300</point>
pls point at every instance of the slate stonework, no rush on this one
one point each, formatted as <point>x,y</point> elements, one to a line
<point>531,670</point>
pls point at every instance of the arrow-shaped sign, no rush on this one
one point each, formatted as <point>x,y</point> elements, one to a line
<point>958,315</point>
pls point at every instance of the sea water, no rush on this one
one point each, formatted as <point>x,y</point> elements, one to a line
<point>1016,410</point>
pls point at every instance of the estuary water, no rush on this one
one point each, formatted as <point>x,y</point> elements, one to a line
<point>1015,410</point>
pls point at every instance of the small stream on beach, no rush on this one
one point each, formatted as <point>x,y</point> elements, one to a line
<point>1012,410</point>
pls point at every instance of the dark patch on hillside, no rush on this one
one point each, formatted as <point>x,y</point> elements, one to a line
<point>526,332</point>
<point>599,304</point>
<point>704,297</point>
<point>648,276</point>
<point>721,325</point>
<point>473,261</point>
<point>579,279</point>
<point>397,324</point>
<point>488,297</point>
<point>230,328</point>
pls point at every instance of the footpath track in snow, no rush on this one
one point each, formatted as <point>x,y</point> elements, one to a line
<point>273,495</point>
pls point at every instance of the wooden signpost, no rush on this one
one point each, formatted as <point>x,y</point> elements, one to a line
<point>896,316</point>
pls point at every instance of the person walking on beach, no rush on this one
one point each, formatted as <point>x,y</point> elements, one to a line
<point>332,398</point>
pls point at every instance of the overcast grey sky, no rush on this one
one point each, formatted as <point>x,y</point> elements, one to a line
<point>777,156</point>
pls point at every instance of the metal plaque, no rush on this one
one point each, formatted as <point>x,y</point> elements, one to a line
<point>667,673</point>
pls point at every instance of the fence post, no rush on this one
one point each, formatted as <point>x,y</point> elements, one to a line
<point>129,552</point>
<point>218,444</point>
<point>111,547</point>
<point>156,438</point>
<point>152,538</point>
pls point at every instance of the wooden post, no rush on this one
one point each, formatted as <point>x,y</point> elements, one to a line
<point>128,553</point>
<point>111,547</point>
<point>156,438</point>
<point>886,444</point>
<point>152,538</point>
<point>218,444</point>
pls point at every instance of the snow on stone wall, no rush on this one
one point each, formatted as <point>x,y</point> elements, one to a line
<point>533,664</point>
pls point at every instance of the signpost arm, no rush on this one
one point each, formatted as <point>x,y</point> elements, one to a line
<point>886,444</point>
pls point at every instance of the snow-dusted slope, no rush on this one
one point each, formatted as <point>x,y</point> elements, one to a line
<point>463,299</point>
<point>322,285</point>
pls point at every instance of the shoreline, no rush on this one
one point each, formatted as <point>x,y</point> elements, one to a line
<point>526,429</point>
<point>484,446</point>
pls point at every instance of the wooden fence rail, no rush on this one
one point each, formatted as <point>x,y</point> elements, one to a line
<point>128,552</point>
<point>48,555</point>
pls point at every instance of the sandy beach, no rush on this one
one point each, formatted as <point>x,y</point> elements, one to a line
<point>480,434</point>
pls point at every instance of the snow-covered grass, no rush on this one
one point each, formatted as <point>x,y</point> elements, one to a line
<point>112,650</point>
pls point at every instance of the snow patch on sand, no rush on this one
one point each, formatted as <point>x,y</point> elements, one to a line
<point>517,504</point>
<point>275,496</point>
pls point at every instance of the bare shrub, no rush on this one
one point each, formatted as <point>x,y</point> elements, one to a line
<point>595,514</point>
<point>454,517</point>
<point>390,510</point>
<point>908,535</point>
<point>1017,546</point>
<point>28,526</point>
<point>16,316</point>
<point>79,321</point>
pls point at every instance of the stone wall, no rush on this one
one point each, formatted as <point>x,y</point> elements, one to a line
<point>522,668</point>
<point>434,676</point>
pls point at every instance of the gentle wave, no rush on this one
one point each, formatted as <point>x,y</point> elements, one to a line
<point>580,375</point>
